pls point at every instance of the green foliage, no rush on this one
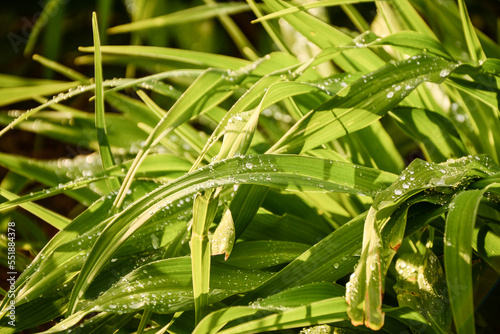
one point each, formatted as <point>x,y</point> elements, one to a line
<point>278,190</point>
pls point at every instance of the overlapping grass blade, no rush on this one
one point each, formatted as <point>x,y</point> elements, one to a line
<point>366,285</point>
<point>78,128</point>
<point>169,291</point>
<point>321,203</point>
<point>269,170</point>
<point>359,105</point>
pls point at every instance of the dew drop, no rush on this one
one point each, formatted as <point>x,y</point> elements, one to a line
<point>444,73</point>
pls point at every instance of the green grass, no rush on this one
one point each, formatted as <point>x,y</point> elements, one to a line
<point>326,179</point>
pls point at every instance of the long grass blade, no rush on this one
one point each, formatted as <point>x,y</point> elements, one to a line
<point>457,257</point>
<point>183,16</point>
<point>100,122</point>
<point>475,49</point>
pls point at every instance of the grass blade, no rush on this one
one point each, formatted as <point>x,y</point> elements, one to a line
<point>204,210</point>
<point>48,216</point>
<point>64,70</point>
<point>306,6</point>
<point>475,49</point>
<point>325,311</point>
<point>268,170</point>
<point>183,16</point>
<point>193,58</point>
<point>49,10</point>
<point>457,257</point>
<point>100,123</point>
<point>355,108</point>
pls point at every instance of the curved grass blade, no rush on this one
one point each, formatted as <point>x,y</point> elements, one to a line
<point>153,53</point>
<point>328,260</point>
<point>365,297</point>
<point>458,235</point>
<point>325,36</point>
<point>243,105</point>
<point>24,93</point>
<point>351,110</point>
<point>154,166</point>
<point>165,286</point>
<point>289,172</point>
<point>487,244</point>
<point>78,128</point>
<point>412,319</point>
<point>216,320</point>
<point>55,268</point>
